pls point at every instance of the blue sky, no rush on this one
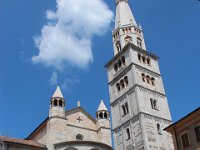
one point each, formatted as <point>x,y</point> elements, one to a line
<point>171,30</point>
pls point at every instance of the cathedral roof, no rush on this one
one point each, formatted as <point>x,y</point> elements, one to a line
<point>22,141</point>
<point>102,106</point>
<point>58,93</point>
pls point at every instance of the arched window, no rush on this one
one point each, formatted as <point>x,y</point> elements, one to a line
<point>148,79</point>
<point>123,60</point>
<point>144,59</point>
<point>128,39</point>
<point>122,84</point>
<point>55,102</point>
<point>143,77</point>
<point>139,42</point>
<point>153,81</point>
<point>118,87</point>
<point>79,137</point>
<point>60,103</point>
<point>159,129</point>
<point>154,104</point>
<point>128,134</point>
<point>116,67</point>
<point>148,61</point>
<point>123,30</point>
<point>126,80</point>
<point>105,116</point>
<point>119,64</point>
<point>118,46</point>
<point>139,57</point>
<point>100,115</point>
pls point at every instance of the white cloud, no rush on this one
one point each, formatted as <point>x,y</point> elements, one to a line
<point>66,38</point>
<point>54,79</point>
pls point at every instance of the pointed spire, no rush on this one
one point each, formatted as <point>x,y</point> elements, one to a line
<point>58,93</point>
<point>102,106</point>
<point>124,15</point>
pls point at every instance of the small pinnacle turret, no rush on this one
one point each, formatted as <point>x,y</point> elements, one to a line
<point>102,111</point>
<point>57,105</point>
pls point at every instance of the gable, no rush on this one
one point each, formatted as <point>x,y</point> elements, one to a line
<point>79,118</point>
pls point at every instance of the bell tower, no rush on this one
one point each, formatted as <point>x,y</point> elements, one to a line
<point>139,104</point>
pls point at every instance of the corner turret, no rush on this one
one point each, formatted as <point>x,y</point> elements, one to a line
<point>57,104</point>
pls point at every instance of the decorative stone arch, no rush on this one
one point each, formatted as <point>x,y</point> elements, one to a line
<point>128,39</point>
<point>71,148</point>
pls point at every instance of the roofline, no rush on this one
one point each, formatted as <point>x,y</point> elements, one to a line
<point>27,138</point>
<point>182,118</point>
<point>26,145</point>
<point>77,108</point>
<point>84,142</point>
<point>90,116</point>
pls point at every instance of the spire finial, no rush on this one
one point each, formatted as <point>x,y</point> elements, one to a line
<point>78,104</point>
<point>58,92</point>
<point>102,106</point>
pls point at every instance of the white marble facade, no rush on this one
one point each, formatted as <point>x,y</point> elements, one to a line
<point>139,104</point>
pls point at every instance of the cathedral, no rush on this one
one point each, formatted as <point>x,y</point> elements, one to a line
<point>138,103</point>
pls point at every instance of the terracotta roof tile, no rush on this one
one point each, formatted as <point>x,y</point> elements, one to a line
<point>21,141</point>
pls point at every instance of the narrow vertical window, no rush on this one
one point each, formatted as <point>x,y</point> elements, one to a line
<point>126,108</point>
<point>126,80</point>
<point>105,115</point>
<point>123,60</point>
<point>139,42</point>
<point>116,67</point>
<point>101,115</point>
<point>153,81</point>
<point>119,64</point>
<point>55,102</point>
<point>118,45</point>
<point>139,57</point>
<point>148,79</point>
<point>144,59</point>
<point>185,140</point>
<point>159,129</point>
<point>128,134</point>
<point>60,103</point>
<point>118,87</point>
<point>143,77</point>
<point>148,61</point>
<point>197,132</point>
<point>122,84</point>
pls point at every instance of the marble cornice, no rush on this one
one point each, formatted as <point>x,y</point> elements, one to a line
<point>136,117</point>
<point>125,48</point>
<point>132,89</point>
<point>120,74</point>
<point>124,70</point>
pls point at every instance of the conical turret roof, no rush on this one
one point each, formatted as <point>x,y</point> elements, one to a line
<point>58,93</point>
<point>102,106</point>
<point>124,15</point>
